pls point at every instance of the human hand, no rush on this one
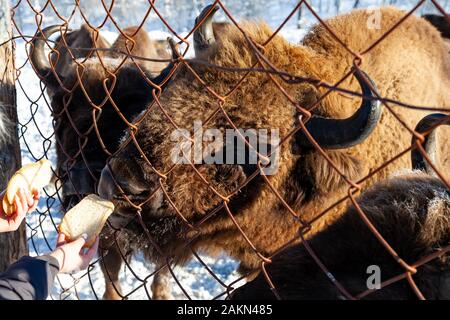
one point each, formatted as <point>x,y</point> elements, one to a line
<point>24,202</point>
<point>71,256</point>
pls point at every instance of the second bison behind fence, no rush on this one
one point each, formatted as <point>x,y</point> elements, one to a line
<point>88,123</point>
<point>344,104</point>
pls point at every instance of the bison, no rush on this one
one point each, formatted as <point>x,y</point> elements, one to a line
<point>412,213</point>
<point>87,122</point>
<point>357,135</point>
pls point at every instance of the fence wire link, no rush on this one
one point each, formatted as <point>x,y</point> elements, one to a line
<point>179,49</point>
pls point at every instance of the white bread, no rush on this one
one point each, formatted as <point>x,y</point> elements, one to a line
<point>88,216</point>
<point>31,177</point>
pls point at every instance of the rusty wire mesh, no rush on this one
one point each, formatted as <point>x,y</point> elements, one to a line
<point>43,225</point>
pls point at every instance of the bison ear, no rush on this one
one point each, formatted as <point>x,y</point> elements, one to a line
<point>317,176</point>
<point>133,102</point>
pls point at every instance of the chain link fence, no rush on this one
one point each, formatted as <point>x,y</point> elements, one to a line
<point>82,140</point>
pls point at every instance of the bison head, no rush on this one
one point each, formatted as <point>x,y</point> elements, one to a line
<point>175,198</point>
<point>93,96</point>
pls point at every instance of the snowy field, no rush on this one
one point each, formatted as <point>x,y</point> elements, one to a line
<point>36,131</point>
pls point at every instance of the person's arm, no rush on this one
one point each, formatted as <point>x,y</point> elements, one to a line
<point>32,278</point>
<point>29,278</point>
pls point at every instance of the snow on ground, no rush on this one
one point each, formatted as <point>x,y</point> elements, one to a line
<point>37,141</point>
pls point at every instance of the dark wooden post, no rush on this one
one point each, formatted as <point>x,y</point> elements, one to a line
<point>13,245</point>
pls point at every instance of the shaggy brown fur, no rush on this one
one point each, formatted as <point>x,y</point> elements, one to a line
<point>78,41</point>
<point>411,211</point>
<point>142,47</point>
<point>410,65</point>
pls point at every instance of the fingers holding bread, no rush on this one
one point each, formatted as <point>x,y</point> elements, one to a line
<point>26,183</point>
<point>87,217</point>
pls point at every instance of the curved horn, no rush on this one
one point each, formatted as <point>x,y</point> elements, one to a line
<point>131,77</point>
<point>40,60</point>
<point>345,133</point>
<point>168,69</point>
<point>204,35</point>
<point>431,121</point>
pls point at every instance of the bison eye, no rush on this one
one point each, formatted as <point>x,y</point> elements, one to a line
<point>142,196</point>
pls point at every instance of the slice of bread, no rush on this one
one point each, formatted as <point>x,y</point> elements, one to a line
<point>88,216</point>
<point>31,177</point>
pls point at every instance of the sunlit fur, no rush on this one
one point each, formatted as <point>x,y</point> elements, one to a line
<point>409,65</point>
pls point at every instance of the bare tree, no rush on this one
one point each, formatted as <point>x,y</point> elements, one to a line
<point>337,6</point>
<point>13,245</point>
<point>301,15</point>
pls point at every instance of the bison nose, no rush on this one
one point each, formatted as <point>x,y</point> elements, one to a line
<point>107,188</point>
<point>120,178</point>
